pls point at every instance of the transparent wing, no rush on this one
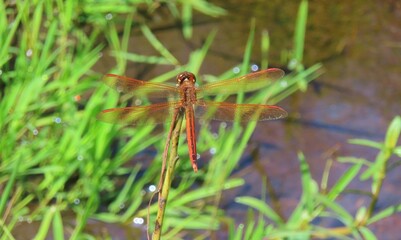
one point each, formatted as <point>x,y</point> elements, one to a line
<point>224,111</point>
<point>140,88</point>
<point>140,115</point>
<point>246,83</point>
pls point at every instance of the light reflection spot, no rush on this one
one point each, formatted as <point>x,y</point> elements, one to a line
<point>152,188</point>
<point>223,124</point>
<point>29,52</point>
<point>212,151</point>
<point>57,120</point>
<point>35,131</point>
<point>109,16</point>
<point>138,102</point>
<point>138,221</point>
<point>236,70</point>
<point>254,67</point>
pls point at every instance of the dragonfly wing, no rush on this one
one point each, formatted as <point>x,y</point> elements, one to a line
<point>224,111</point>
<point>140,115</point>
<point>139,88</point>
<point>246,83</point>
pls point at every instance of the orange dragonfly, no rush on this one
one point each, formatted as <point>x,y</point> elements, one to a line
<point>188,101</point>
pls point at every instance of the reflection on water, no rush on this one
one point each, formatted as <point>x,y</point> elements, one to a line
<point>152,188</point>
<point>138,221</point>
<point>35,132</point>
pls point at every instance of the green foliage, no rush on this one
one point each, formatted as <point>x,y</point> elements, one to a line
<point>58,164</point>
<point>54,153</point>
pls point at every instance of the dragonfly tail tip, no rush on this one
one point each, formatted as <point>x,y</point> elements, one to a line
<point>195,167</point>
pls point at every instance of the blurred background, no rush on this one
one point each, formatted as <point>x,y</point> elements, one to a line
<point>64,174</point>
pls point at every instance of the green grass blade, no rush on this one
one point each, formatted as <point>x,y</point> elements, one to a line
<point>261,207</point>
<point>197,57</point>
<point>377,169</point>
<point>299,36</point>
<point>366,143</point>
<point>205,192</point>
<point>265,45</point>
<point>393,133</point>
<point>250,229</point>
<point>9,34</point>
<point>309,189</point>
<point>259,231</point>
<point>308,184</point>
<point>367,234</point>
<point>239,232</point>
<point>343,181</point>
<point>123,195</point>
<point>45,224</point>
<point>9,186</point>
<point>158,45</point>
<point>206,7</point>
<point>133,57</point>
<point>384,213</point>
<point>248,49</point>
<point>187,19</point>
<point>397,151</point>
<point>341,212</point>
<point>58,227</point>
<point>354,160</point>
<point>5,232</point>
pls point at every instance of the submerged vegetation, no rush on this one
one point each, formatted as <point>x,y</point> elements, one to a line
<point>61,168</point>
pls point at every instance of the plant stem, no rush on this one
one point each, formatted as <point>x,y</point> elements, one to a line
<point>381,175</point>
<point>168,176</point>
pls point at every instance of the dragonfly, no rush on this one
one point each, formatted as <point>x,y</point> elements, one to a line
<point>188,99</point>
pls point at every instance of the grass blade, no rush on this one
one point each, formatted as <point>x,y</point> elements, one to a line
<point>384,213</point>
<point>393,133</point>
<point>261,207</point>
<point>58,228</point>
<point>158,45</point>
<point>343,181</point>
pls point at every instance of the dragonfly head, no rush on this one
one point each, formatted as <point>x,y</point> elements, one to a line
<point>185,77</point>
